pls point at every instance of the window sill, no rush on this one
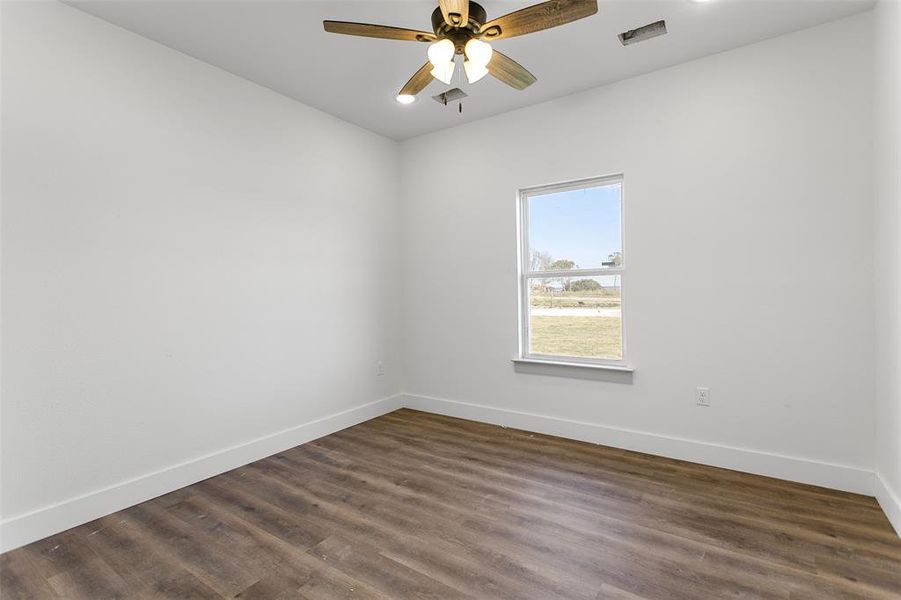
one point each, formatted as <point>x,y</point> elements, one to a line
<point>579,365</point>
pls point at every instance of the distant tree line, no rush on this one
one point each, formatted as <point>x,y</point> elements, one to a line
<point>543,261</point>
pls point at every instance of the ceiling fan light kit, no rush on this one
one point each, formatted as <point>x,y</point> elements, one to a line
<point>462,27</point>
<point>441,57</point>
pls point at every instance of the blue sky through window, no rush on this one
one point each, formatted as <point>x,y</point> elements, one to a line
<point>580,225</point>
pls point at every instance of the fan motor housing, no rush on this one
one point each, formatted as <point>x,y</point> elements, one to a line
<point>459,35</point>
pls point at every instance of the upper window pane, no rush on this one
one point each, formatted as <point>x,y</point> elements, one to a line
<point>575,229</point>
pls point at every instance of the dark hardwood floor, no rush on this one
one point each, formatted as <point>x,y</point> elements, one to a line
<point>415,505</point>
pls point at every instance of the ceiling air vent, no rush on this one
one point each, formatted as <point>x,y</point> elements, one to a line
<point>633,36</point>
<point>449,96</point>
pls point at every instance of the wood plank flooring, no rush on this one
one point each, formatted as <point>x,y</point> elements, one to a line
<point>415,505</point>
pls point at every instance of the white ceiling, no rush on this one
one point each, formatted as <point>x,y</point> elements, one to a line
<point>281,45</point>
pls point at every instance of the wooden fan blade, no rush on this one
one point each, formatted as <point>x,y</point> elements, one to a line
<point>417,83</point>
<point>378,31</point>
<point>455,12</point>
<point>538,17</point>
<point>509,71</point>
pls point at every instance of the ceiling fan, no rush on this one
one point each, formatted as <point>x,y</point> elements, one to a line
<point>462,27</point>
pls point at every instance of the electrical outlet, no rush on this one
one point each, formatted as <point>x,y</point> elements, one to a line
<point>380,368</point>
<point>702,396</point>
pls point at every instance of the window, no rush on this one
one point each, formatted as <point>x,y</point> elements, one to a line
<point>571,272</point>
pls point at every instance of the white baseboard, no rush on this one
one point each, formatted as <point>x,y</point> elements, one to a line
<point>38,524</point>
<point>26,528</point>
<point>890,502</point>
<point>839,477</point>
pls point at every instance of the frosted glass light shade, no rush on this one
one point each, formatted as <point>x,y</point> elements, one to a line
<point>474,72</point>
<point>444,73</point>
<point>478,52</point>
<point>441,53</point>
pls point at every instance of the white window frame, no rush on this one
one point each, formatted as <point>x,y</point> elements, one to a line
<point>525,275</point>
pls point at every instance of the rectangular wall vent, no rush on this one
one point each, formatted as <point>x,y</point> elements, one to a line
<point>633,36</point>
<point>449,96</point>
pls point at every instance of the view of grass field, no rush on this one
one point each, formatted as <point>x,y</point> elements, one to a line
<point>587,337</point>
<point>585,324</point>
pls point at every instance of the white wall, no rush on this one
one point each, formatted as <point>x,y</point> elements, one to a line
<point>887,19</point>
<point>749,228</point>
<point>190,262</point>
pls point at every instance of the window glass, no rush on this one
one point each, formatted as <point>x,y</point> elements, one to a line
<point>572,271</point>
<point>575,229</point>
<point>576,316</point>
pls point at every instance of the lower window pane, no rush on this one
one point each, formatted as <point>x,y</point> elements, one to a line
<point>576,316</point>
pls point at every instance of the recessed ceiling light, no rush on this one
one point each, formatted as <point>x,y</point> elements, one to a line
<point>406,99</point>
<point>700,1</point>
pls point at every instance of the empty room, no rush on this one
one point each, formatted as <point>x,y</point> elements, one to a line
<point>440,299</point>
